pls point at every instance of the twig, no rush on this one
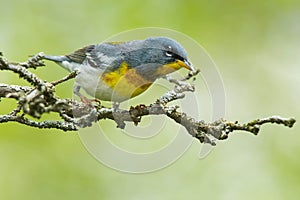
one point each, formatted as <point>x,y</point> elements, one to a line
<point>21,69</point>
<point>13,91</point>
<point>65,126</point>
<point>68,77</point>
<point>34,61</point>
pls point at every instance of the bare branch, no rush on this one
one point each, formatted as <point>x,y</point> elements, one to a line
<point>65,126</point>
<point>38,99</point>
<point>12,91</point>
<point>34,61</point>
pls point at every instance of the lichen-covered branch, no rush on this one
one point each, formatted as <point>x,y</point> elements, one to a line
<point>40,98</point>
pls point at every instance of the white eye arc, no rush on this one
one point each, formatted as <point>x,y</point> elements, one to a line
<point>169,54</point>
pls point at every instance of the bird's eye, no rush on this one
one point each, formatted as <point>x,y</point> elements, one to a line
<point>169,54</point>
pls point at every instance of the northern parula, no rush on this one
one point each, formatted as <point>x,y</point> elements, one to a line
<point>118,71</point>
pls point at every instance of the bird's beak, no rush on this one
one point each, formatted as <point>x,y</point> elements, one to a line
<point>186,64</point>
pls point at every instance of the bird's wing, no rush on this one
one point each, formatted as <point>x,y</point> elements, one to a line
<point>104,55</point>
<point>80,55</point>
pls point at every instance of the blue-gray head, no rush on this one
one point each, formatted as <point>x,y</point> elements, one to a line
<point>172,51</point>
<point>155,57</point>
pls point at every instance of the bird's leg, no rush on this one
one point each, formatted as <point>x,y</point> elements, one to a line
<point>76,91</point>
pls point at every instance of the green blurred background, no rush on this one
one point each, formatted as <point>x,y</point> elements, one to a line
<point>256,46</point>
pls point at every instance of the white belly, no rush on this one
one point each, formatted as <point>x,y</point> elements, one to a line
<point>90,81</point>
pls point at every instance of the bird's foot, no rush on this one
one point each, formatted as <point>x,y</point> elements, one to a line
<point>90,102</point>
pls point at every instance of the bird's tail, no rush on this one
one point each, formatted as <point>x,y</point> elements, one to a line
<point>57,59</point>
<point>63,61</point>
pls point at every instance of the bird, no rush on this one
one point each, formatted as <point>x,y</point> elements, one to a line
<point>118,71</point>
